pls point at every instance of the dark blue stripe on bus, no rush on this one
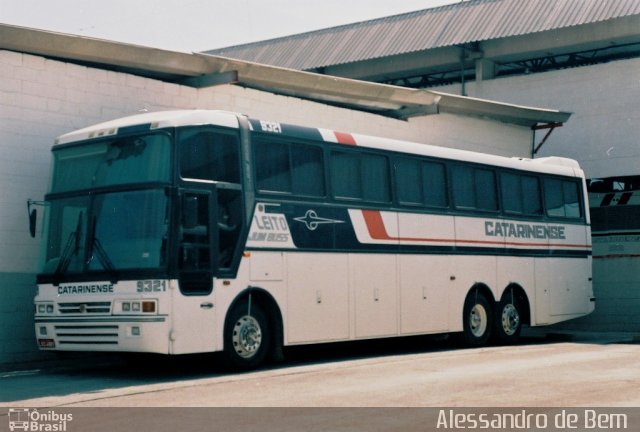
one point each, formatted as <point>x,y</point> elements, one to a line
<point>329,229</point>
<point>288,130</point>
<point>134,129</point>
<point>442,250</point>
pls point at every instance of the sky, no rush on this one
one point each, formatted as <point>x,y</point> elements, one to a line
<point>197,25</point>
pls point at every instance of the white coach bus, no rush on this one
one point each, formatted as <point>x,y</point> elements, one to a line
<point>201,231</point>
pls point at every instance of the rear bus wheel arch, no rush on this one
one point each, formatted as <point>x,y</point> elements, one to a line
<point>477,316</point>
<point>511,313</point>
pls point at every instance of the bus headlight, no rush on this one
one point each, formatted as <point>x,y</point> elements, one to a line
<point>44,308</point>
<point>135,307</point>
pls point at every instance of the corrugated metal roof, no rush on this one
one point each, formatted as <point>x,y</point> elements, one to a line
<point>454,24</point>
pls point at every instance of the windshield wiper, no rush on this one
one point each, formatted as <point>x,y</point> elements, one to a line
<point>103,257</point>
<point>70,249</point>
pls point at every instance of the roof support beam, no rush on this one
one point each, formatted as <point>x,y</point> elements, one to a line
<point>202,70</point>
<point>550,126</point>
<point>211,80</point>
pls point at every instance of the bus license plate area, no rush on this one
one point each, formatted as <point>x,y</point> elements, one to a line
<point>46,343</point>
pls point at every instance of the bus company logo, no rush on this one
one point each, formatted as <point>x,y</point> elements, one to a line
<point>32,420</point>
<point>312,220</point>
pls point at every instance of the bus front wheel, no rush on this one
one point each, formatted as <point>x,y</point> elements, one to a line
<point>477,320</point>
<point>246,336</point>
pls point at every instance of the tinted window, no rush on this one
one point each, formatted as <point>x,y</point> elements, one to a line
<point>421,183</point>
<point>464,187</point>
<point>375,178</point>
<point>474,188</point>
<point>434,184</point>
<point>486,198</point>
<point>511,188</point>
<point>562,198</point>
<point>307,169</point>
<point>289,168</point>
<point>571,199</point>
<point>360,176</point>
<point>409,181</point>
<point>345,176</point>
<point>553,197</point>
<point>209,155</point>
<point>520,194</point>
<point>272,166</point>
<point>532,202</point>
<point>137,159</point>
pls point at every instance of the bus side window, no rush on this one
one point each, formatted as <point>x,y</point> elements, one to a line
<point>289,168</point>
<point>194,260</point>
<point>229,224</point>
<point>531,189</point>
<point>408,182</point>
<point>421,183</point>
<point>360,176</point>
<point>273,171</point>
<point>520,194</point>
<point>209,155</point>
<point>474,188</point>
<point>434,184</point>
<point>562,198</point>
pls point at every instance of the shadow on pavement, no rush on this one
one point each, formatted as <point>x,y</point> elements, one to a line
<point>90,375</point>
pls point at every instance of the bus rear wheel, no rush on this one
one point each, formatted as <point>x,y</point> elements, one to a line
<point>508,320</point>
<point>477,320</point>
<point>246,337</point>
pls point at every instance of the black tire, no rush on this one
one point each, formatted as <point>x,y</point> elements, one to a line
<point>477,320</point>
<point>247,337</point>
<point>508,319</point>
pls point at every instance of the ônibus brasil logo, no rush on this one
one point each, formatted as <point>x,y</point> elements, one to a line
<point>32,420</point>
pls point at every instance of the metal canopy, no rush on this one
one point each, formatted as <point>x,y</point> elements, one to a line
<point>452,25</point>
<point>203,70</point>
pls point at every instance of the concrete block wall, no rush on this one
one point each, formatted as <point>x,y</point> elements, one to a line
<point>41,99</point>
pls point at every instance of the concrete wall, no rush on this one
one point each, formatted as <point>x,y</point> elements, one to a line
<point>41,99</point>
<point>603,134</point>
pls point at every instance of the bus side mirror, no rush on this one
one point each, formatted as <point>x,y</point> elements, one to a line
<point>190,211</point>
<point>33,217</point>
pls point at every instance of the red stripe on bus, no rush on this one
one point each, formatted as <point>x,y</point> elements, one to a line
<point>377,231</point>
<point>375,225</point>
<point>345,138</point>
<point>624,199</point>
<point>606,200</point>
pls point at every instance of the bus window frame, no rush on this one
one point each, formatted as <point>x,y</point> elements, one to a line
<point>267,139</point>
<point>474,167</point>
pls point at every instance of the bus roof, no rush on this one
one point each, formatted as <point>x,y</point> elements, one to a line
<point>155,120</point>
<point>177,118</point>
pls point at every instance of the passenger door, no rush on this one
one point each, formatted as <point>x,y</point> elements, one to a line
<point>193,302</point>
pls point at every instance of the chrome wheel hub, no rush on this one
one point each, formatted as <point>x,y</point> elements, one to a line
<point>247,336</point>
<point>478,320</point>
<point>510,319</point>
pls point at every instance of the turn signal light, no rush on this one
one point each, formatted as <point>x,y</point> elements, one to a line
<point>148,306</point>
<point>137,306</point>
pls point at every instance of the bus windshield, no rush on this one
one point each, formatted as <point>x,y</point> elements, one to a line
<point>106,233</point>
<point>134,159</point>
<point>92,228</point>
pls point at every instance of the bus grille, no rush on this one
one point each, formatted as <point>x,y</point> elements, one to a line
<point>87,334</point>
<point>85,308</point>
